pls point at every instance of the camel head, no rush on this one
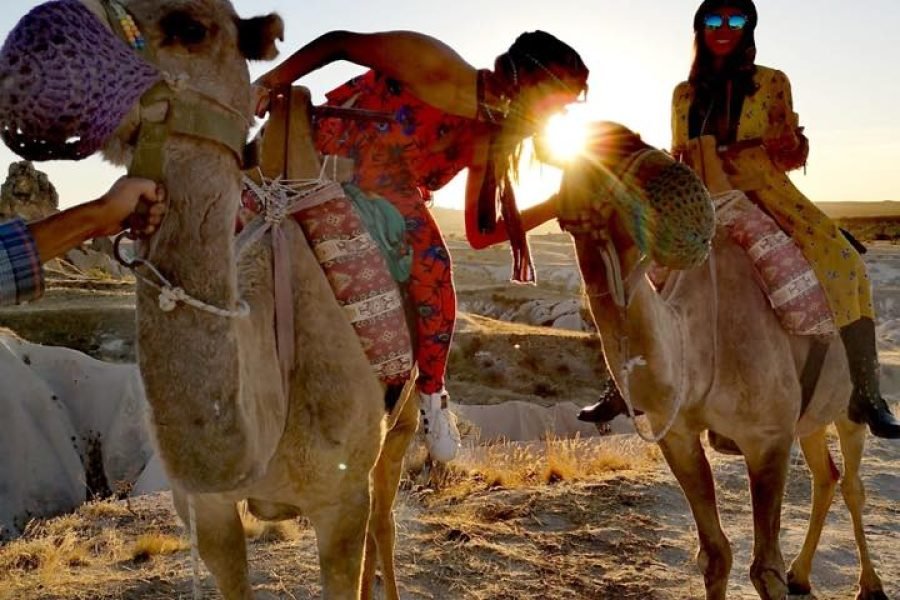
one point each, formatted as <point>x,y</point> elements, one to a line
<point>205,44</point>
<point>639,198</point>
<point>69,86</point>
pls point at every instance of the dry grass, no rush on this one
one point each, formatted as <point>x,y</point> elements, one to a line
<point>518,466</point>
<point>69,552</point>
<point>155,544</point>
<point>270,532</point>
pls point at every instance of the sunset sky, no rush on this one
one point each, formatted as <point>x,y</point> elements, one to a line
<point>842,58</point>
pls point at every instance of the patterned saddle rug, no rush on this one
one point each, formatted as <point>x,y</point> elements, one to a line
<point>782,272</point>
<point>361,279</point>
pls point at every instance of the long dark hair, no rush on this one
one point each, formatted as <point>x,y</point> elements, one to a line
<point>740,65</point>
<point>535,57</point>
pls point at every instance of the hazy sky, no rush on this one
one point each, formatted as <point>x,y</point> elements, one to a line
<point>842,58</point>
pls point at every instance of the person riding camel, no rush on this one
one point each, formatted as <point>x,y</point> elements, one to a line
<point>447,116</point>
<point>728,96</point>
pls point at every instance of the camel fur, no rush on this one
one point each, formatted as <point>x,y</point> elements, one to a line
<point>225,427</point>
<point>713,328</point>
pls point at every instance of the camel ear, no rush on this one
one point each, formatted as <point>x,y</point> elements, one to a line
<point>256,36</point>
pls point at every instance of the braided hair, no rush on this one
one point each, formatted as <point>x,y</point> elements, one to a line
<point>534,58</point>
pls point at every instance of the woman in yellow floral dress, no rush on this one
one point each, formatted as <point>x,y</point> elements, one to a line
<point>749,108</point>
<point>729,96</point>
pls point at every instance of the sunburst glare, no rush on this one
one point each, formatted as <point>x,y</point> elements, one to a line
<point>565,135</point>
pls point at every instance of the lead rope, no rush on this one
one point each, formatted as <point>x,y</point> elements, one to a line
<point>196,591</point>
<point>622,293</point>
<point>171,295</point>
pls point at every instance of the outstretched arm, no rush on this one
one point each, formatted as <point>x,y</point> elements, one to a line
<point>25,247</point>
<point>130,202</point>
<point>431,70</point>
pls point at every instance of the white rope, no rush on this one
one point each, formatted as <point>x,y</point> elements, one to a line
<point>280,198</point>
<point>197,591</point>
<point>171,295</point>
<point>622,293</point>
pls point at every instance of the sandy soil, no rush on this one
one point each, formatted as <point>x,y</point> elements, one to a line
<point>625,533</point>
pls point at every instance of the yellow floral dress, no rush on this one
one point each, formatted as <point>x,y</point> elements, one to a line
<point>838,266</point>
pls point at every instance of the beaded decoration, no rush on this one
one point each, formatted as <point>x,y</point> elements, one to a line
<point>133,35</point>
<point>68,80</point>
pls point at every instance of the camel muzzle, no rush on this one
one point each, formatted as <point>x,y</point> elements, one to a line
<point>69,78</point>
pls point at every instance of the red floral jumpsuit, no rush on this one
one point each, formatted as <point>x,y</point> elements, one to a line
<point>404,160</point>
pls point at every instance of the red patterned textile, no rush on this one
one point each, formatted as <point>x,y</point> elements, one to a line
<point>361,281</point>
<point>781,270</point>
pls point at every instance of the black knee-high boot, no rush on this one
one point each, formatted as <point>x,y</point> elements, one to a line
<point>866,404</point>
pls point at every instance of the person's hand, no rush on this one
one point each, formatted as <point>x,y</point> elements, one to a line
<point>131,203</point>
<point>784,140</point>
<point>261,99</point>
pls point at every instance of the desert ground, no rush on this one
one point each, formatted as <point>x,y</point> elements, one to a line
<point>533,517</point>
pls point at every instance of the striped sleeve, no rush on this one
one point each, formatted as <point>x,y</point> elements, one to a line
<point>21,275</point>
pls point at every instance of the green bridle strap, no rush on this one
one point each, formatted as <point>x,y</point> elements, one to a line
<point>186,112</point>
<point>199,118</point>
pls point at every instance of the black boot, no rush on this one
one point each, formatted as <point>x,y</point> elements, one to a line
<point>610,406</point>
<point>866,404</point>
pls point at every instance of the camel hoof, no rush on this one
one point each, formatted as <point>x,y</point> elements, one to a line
<point>798,588</point>
<point>872,595</point>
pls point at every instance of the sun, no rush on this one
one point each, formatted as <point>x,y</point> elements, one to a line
<point>565,135</point>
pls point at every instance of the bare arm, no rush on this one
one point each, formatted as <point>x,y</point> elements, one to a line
<point>108,215</point>
<point>433,71</point>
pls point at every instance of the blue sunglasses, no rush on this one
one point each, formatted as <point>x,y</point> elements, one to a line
<point>714,21</point>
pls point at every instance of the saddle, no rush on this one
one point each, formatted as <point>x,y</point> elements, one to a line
<point>782,271</point>
<point>353,263</point>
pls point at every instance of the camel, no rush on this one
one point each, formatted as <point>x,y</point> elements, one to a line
<point>711,326</point>
<point>226,427</point>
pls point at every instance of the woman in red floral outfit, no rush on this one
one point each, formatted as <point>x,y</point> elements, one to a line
<point>447,116</point>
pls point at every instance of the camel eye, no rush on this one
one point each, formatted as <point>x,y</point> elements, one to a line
<point>182,28</point>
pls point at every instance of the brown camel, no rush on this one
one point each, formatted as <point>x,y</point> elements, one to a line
<point>713,351</point>
<point>226,427</point>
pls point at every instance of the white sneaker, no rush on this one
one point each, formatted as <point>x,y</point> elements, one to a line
<point>439,426</point>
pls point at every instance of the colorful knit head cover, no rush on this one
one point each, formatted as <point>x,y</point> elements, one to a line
<point>66,82</point>
<point>662,204</point>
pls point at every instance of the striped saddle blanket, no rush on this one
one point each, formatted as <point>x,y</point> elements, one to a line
<point>783,273</point>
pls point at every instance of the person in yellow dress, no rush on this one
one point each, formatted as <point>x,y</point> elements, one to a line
<point>749,108</point>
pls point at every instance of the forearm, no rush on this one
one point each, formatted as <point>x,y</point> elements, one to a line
<point>431,70</point>
<point>59,233</point>
<point>325,49</point>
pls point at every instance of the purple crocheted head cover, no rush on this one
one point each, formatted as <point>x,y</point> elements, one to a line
<point>66,82</point>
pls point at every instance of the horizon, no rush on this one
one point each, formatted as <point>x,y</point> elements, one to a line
<point>637,53</point>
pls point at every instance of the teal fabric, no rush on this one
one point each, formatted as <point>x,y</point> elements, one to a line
<point>387,226</point>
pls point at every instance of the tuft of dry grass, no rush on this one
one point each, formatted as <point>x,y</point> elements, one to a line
<point>156,544</point>
<point>104,509</point>
<point>271,531</point>
<point>74,551</point>
<point>552,461</point>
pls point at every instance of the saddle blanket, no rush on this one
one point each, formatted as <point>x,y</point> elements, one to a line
<point>361,280</point>
<point>780,269</point>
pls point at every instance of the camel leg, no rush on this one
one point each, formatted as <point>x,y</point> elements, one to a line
<point>341,538</point>
<point>688,463</point>
<point>220,535</point>
<point>385,481</point>
<point>824,481</point>
<point>853,443</point>
<point>768,470</point>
